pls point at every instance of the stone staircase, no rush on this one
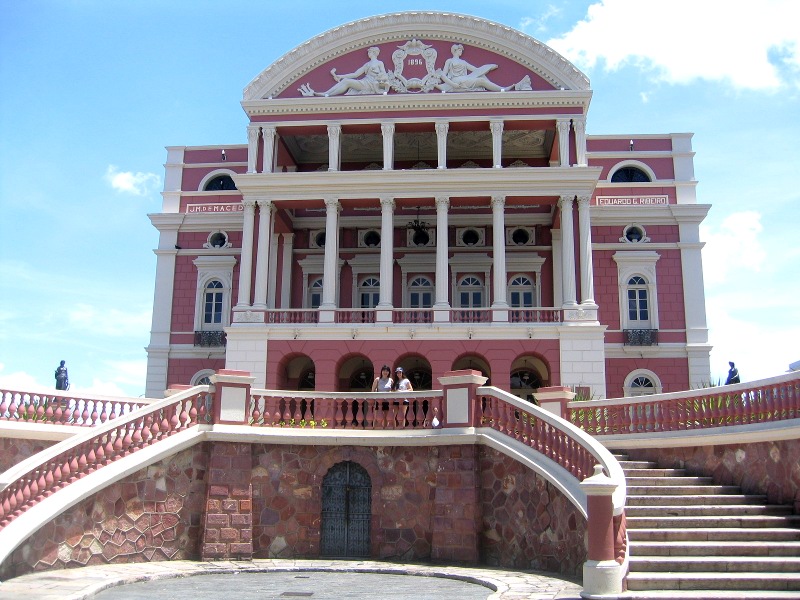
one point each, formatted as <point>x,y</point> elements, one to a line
<point>690,538</point>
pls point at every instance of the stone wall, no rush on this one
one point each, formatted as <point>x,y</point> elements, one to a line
<point>527,522</point>
<point>14,450</point>
<point>464,504</point>
<point>769,468</point>
<point>151,515</point>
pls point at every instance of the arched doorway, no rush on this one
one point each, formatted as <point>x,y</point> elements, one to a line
<point>528,374</point>
<point>355,374</point>
<point>418,370</point>
<point>346,511</point>
<point>298,373</point>
<point>474,362</point>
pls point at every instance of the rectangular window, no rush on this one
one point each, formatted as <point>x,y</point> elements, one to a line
<point>637,305</point>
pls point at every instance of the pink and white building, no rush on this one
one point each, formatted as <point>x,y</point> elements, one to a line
<point>419,190</point>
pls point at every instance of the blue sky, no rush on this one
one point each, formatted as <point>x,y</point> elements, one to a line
<point>92,91</point>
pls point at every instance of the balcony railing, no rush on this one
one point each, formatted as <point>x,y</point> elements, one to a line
<point>366,316</point>
<point>209,338</point>
<point>641,337</point>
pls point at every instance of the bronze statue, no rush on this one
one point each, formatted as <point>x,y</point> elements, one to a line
<point>62,377</point>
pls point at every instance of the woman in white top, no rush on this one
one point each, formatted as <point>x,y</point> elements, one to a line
<point>403,384</point>
<point>383,383</point>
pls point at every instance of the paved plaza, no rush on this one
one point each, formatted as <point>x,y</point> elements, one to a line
<point>280,579</point>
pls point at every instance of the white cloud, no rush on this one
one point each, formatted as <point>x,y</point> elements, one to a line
<point>138,184</point>
<point>750,46</point>
<point>539,24</point>
<point>733,249</point>
<point>109,321</point>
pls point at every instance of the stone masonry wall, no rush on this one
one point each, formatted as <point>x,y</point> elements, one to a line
<point>14,450</point>
<point>527,522</point>
<point>153,514</point>
<point>770,468</point>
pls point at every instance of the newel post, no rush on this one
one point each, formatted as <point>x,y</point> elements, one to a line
<point>555,399</point>
<point>459,398</point>
<point>602,574</point>
<point>231,396</point>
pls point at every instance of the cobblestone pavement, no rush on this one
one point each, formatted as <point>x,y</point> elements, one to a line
<point>266,579</point>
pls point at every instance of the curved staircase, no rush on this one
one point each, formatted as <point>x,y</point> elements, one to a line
<point>690,538</point>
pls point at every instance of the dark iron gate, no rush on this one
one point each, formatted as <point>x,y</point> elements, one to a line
<point>346,511</point>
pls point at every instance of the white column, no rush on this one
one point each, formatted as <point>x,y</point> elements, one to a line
<point>567,250</point>
<point>286,270</point>
<point>585,233</point>
<point>497,143</point>
<point>562,126</point>
<point>499,252</point>
<point>329,282</point>
<point>442,251</point>
<point>441,144</point>
<point>387,252</point>
<point>334,148</point>
<point>246,259</point>
<point>579,125</point>
<point>387,129</point>
<point>268,133</point>
<point>262,253</point>
<point>252,147</point>
<point>272,277</point>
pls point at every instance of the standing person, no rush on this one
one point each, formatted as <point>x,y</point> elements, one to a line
<point>402,384</point>
<point>733,375</point>
<point>62,377</point>
<point>383,382</point>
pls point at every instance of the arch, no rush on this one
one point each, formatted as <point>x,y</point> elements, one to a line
<point>641,382</point>
<point>518,47</point>
<point>202,377</point>
<point>476,362</point>
<point>636,164</point>
<point>528,373</point>
<point>354,373</point>
<point>418,370</point>
<point>296,372</point>
<point>213,175</point>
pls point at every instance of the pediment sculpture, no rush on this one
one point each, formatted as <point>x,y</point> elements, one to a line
<point>456,75</point>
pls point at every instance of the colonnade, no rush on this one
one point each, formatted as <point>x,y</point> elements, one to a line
<point>266,134</point>
<point>266,259</point>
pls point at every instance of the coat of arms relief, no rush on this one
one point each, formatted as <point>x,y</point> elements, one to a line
<point>456,75</point>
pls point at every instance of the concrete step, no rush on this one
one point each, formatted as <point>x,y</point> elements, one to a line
<point>636,489</point>
<point>687,549</point>
<point>745,521</point>
<point>714,581</point>
<point>715,564</point>
<point>637,464</point>
<point>709,595</point>
<point>704,510</point>
<point>696,500</point>
<point>653,472</point>
<point>764,535</point>
<point>658,481</point>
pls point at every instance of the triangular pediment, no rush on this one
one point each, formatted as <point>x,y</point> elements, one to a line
<point>408,53</point>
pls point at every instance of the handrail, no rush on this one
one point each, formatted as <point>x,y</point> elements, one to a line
<point>42,474</point>
<point>63,407</point>
<point>560,441</point>
<point>403,315</point>
<point>345,410</point>
<point>767,400</point>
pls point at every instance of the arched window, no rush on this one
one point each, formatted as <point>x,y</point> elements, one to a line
<point>642,382</point>
<point>629,175</point>
<point>220,183</point>
<point>202,377</point>
<point>520,292</point>
<point>470,292</point>
<point>315,293</point>
<point>638,302</point>
<point>213,303</point>
<point>369,292</point>
<point>420,294</point>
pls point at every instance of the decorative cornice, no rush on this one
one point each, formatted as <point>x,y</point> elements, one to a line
<point>503,40</point>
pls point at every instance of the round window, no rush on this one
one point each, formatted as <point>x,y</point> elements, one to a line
<point>634,233</point>
<point>520,237</point>
<point>421,238</point>
<point>218,240</point>
<point>470,237</point>
<point>320,239</point>
<point>372,239</point>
